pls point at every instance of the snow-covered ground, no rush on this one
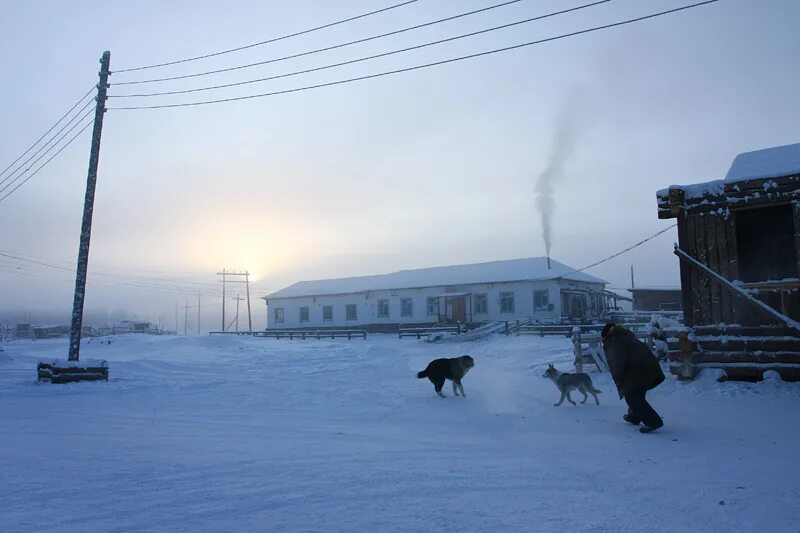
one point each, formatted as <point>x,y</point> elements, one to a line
<point>238,434</point>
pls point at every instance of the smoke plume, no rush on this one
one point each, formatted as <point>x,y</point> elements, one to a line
<point>563,144</point>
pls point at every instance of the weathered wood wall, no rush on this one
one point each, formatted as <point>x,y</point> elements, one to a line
<point>711,238</point>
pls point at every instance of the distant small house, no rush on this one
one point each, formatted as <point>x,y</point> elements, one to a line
<point>656,298</point>
<point>23,331</point>
<point>741,233</point>
<point>50,332</point>
<point>500,290</point>
<point>132,326</point>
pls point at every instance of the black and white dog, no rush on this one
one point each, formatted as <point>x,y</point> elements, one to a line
<point>454,369</point>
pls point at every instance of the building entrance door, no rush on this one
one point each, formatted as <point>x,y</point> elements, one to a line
<point>456,308</point>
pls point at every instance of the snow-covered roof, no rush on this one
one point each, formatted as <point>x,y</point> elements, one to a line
<point>654,288</point>
<point>528,269</point>
<point>774,162</point>
<point>768,163</point>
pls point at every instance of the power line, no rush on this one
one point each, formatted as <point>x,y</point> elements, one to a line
<point>384,54</point>
<point>426,65</point>
<point>104,279</point>
<point>113,283</point>
<point>50,143</point>
<point>51,129</point>
<point>626,250</point>
<point>275,39</point>
<point>20,184</point>
<point>27,256</point>
<point>334,47</point>
<point>17,258</point>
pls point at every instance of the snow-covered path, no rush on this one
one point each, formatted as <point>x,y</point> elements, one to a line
<point>238,434</point>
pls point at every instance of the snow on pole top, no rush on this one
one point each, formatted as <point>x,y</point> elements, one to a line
<point>767,163</point>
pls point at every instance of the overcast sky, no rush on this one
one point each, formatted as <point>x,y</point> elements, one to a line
<point>431,167</point>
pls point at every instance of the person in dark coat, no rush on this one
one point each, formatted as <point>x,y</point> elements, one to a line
<point>635,371</point>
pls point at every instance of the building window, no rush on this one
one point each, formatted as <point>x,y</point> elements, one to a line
<point>481,304</point>
<point>383,308</point>
<point>406,307</point>
<point>433,306</point>
<point>304,314</point>
<point>506,302</point>
<point>351,313</point>
<point>327,313</point>
<point>279,315</point>
<point>541,299</point>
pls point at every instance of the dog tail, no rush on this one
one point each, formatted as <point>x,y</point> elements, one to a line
<point>423,374</point>
<point>597,391</point>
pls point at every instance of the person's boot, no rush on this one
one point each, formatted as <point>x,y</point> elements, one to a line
<point>630,419</point>
<point>650,429</point>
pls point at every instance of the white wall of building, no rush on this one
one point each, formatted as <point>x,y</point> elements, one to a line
<point>367,304</point>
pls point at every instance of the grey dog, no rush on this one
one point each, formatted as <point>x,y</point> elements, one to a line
<point>567,383</point>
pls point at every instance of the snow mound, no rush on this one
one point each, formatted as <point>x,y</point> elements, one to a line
<point>711,375</point>
<point>772,376</point>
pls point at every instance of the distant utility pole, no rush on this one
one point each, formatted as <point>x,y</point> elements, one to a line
<point>246,281</point>
<point>238,299</point>
<point>223,297</point>
<point>249,317</point>
<point>176,318</point>
<point>633,285</point>
<point>88,208</point>
<point>185,318</point>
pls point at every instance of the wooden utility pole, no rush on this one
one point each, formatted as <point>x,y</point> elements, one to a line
<point>88,208</point>
<point>225,275</point>
<point>223,298</point>
<point>238,299</point>
<point>185,318</point>
<point>249,317</point>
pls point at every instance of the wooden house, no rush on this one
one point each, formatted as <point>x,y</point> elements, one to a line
<point>656,298</point>
<point>739,250</point>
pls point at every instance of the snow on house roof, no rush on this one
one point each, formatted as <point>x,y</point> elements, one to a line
<point>653,288</point>
<point>772,162</point>
<point>768,163</point>
<point>528,269</point>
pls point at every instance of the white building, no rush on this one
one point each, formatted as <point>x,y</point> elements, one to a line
<point>515,289</point>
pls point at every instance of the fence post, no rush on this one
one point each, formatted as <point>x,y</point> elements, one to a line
<point>578,349</point>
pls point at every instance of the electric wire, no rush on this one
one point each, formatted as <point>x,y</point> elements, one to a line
<point>20,184</point>
<point>17,258</point>
<point>422,66</point>
<point>367,58</point>
<point>74,120</point>
<point>621,252</point>
<point>268,41</point>
<point>98,278</point>
<point>82,98</point>
<point>325,49</point>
